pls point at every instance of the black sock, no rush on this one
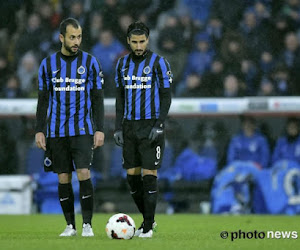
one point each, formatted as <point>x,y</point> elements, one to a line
<point>86,200</point>
<point>66,198</point>
<point>136,185</point>
<point>150,200</point>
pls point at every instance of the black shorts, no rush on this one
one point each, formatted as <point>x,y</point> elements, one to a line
<point>65,154</point>
<point>138,151</point>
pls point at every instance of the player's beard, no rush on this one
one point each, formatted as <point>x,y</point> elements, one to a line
<point>69,49</point>
<point>139,52</point>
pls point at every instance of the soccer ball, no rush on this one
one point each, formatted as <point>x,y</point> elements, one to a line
<point>120,226</point>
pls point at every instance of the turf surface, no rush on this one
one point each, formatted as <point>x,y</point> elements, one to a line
<point>180,231</point>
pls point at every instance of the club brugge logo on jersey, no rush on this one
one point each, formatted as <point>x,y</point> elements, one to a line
<point>81,70</point>
<point>147,70</point>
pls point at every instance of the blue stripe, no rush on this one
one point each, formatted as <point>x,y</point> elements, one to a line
<point>48,114</point>
<point>54,99</point>
<point>116,75</point>
<point>168,85</point>
<point>164,70</point>
<point>42,70</point>
<point>72,100</point>
<point>126,96</point>
<point>129,97</point>
<point>89,86</point>
<point>98,69</point>
<point>138,93</point>
<point>156,99</point>
<point>148,91</point>
<point>82,100</point>
<point>62,99</point>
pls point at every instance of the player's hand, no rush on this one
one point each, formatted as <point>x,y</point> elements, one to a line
<point>98,139</point>
<point>155,133</point>
<point>118,136</point>
<point>40,140</point>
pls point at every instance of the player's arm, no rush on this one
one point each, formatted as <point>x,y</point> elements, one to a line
<point>97,100</point>
<point>42,106</point>
<point>165,80</point>
<point>120,102</point>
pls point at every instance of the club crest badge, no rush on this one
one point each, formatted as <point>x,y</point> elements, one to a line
<point>47,162</point>
<point>81,70</point>
<point>147,70</point>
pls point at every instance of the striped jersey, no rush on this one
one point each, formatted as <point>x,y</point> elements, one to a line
<point>142,81</point>
<point>69,80</point>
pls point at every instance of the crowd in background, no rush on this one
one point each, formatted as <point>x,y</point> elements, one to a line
<point>217,48</point>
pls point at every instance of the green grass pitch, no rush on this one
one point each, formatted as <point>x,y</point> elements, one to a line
<point>179,231</point>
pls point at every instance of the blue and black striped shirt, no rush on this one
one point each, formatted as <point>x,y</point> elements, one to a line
<point>143,88</point>
<point>70,95</point>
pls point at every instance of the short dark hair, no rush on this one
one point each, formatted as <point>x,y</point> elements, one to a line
<point>68,21</point>
<point>138,28</point>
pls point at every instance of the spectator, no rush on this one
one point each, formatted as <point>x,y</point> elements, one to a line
<point>232,86</point>
<point>210,140</point>
<point>107,48</point>
<point>215,29</point>
<point>230,12</point>
<point>278,30</point>
<point>232,52</point>
<point>4,70</point>
<point>12,88</point>
<point>50,19</point>
<point>291,9</point>
<point>107,51</point>
<point>288,146</point>
<point>255,34</point>
<point>200,59</point>
<point>291,51</point>
<point>111,11</point>
<point>282,81</point>
<point>250,77</point>
<point>193,87</point>
<point>30,38</point>
<point>95,26</point>
<point>199,10</point>
<point>266,87</point>
<point>124,21</point>
<point>266,63</point>
<point>249,144</point>
<point>26,72</point>
<point>261,11</point>
<point>171,47</point>
<point>213,79</point>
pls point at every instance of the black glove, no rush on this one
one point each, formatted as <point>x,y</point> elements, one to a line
<point>118,136</point>
<point>155,133</point>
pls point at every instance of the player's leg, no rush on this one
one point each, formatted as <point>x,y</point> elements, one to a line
<point>151,155</point>
<point>131,162</point>
<point>62,165</point>
<point>150,199</point>
<point>82,154</point>
<point>66,198</point>
<point>135,182</point>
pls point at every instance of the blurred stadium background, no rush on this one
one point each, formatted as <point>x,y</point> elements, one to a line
<point>233,61</point>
